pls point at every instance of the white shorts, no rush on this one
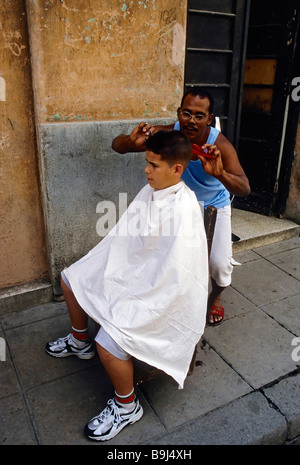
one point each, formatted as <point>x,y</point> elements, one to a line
<point>220,263</point>
<point>104,340</point>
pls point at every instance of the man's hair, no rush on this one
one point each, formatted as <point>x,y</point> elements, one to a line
<point>172,146</point>
<point>202,93</point>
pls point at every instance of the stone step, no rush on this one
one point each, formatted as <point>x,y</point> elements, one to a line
<point>252,230</point>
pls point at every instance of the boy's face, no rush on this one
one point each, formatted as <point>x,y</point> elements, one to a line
<point>159,173</point>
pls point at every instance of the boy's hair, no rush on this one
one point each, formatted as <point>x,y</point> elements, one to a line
<point>172,146</point>
<point>202,93</point>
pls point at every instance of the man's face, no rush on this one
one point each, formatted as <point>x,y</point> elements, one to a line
<point>159,173</point>
<point>198,107</point>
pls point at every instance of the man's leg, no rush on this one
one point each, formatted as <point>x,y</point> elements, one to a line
<point>214,302</point>
<point>220,264</point>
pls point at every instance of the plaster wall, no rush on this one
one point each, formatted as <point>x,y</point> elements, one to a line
<point>23,255</point>
<point>106,60</point>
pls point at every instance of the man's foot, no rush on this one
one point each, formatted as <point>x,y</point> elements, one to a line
<point>112,420</point>
<point>66,346</point>
<point>215,315</point>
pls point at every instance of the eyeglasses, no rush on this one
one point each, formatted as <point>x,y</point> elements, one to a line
<point>186,116</point>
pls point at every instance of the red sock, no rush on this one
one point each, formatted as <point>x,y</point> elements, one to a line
<point>127,401</point>
<point>80,334</point>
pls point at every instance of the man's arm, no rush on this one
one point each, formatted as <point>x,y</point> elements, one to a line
<point>135,141</point>
<point>225,166</point>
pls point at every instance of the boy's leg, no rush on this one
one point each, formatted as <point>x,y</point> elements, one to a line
<point>79,318</point>
<point>119,371</point>
<point>78,342</point>
<point>124,408</point>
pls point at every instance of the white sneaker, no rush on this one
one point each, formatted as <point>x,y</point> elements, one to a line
<point>65,346</point>
<point>111,421</point>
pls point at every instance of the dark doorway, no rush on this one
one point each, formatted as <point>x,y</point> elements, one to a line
<point>246,54</point>
<point>215,52</point>
<point>267,108</point>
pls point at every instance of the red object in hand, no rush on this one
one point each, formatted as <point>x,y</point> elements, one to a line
<point>197,150</point>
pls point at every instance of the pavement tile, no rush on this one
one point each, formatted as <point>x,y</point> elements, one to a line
<point>234,303</point>
<point>278,247</point>
<point>286,396</point>
<point>255,345</point>
<point>15,425</point>
<point>262,282</point>
<point>30,315</point>
<point>249,420</point>
<point>176,406</point>
<point>288,261</point>
<point>245,256</point>
<point>286,312</point>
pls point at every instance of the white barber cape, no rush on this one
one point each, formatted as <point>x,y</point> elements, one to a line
<point>146,282</point>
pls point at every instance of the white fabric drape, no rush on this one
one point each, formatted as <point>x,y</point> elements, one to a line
<point>146,282</point>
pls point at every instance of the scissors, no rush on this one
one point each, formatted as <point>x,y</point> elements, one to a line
<point>197,150</point>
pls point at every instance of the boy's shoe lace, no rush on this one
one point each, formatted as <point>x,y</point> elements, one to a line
<point>112,420</point>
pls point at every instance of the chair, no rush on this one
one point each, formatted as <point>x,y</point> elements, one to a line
<point>144,372</point>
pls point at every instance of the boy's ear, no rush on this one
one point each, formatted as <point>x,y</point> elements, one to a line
<point>178,169</point>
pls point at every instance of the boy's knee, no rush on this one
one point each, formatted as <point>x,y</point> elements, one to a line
<point>104,355</point>
<point>64,287</point>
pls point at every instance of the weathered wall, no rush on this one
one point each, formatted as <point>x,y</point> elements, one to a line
<point>22,243</point>
<point>98,69</point>
<point>106,60</point>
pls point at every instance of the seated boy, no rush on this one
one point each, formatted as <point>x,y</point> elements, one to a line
<point>144,284</point>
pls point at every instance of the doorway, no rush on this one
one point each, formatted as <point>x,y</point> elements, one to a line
<point>269,117</point>
<point>246,54</point>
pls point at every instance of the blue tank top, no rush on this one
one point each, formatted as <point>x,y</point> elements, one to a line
<point>208,189</point>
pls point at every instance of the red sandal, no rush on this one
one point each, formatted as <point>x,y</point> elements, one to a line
<point>215,310</point>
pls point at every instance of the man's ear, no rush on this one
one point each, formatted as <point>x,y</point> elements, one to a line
<point>210,118</point>
<point>178,111</point>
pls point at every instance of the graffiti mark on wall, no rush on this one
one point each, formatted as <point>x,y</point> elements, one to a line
<point>171,38</point>
<point>11,41</point>
<point>168,16</point>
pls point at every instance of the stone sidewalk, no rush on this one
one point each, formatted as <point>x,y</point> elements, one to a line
<point>244,390</point>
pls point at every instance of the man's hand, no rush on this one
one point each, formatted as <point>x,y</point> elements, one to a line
<point>135,141</point>
<point>226,168</point>
<point>213,165</point>
<point>139,135</point>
